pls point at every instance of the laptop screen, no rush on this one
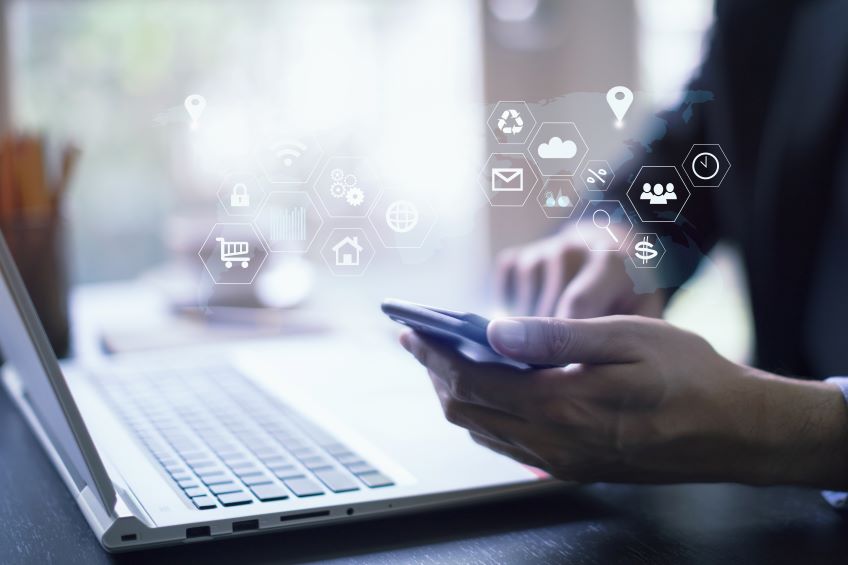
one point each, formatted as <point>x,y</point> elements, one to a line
<point>26,350</point>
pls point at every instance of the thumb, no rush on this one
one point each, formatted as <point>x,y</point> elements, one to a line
<point>556,341</point>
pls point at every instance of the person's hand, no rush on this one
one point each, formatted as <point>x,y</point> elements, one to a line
<point>639,400</point>
<point>559,276</point>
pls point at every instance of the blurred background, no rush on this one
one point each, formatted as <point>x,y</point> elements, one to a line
<point>407,84</point>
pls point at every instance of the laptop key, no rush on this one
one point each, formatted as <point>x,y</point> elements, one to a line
<point>224,488</point>
<point>303,487</point>
<point>360,467</point>
<point>256,480</point>
<point>315,462</point>
<point>216,480</point>
<point>268,492</point>
<point>234,498</point>
<point>286,472</point>
<point>204,502</point>
<point>194,492</point>
<point>187,483</point>
<point>336,481</point>
<point>375,479</point>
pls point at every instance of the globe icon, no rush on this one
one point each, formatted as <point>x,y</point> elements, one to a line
<point>402,216</point>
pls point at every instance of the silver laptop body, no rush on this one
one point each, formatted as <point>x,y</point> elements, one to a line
<point>206,443</point>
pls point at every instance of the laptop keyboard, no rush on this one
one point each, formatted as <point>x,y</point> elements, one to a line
<point>226,443</point>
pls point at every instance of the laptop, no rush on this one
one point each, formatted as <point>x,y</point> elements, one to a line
<point>200,443</point>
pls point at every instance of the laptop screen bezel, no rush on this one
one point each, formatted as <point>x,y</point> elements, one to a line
<point>25,347</point>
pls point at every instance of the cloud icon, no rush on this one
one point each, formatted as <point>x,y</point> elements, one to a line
<point>556,148</point>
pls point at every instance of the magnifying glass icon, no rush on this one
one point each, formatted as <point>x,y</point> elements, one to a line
<point>604,222</point>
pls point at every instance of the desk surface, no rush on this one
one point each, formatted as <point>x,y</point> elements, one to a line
<point>598,524</point>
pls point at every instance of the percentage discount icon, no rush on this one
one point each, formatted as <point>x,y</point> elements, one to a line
<point>599,176</point>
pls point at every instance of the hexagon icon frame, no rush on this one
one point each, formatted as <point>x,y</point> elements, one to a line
<point>487,186</point>
<point>258,236</point>
<point>327,170</point>
<point>383,221</point>
<point>631,250</point>
<point>636,181</point>
<point>700,148</point>
<point>541,161</point>
<point>505,106</point>
<point>287,145</point>
<point>331,238</point>
<point>541,198</point>
<point>299,194</point>
<point>596,174</point>
<point>226,183</point>
<point>593,204</point>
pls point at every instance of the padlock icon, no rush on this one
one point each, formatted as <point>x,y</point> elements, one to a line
<point>240,198</point>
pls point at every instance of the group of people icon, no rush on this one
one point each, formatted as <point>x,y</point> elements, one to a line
<point>659,194</point>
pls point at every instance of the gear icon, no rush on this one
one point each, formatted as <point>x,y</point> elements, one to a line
<point>350,181</point>
<point>355,196</point>
<point>338,190</point>
<point>337,175</point>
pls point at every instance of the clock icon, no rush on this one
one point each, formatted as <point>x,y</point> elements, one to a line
<point>705,165</point>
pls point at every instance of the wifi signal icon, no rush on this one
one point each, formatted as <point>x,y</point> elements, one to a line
<point>288,151</point>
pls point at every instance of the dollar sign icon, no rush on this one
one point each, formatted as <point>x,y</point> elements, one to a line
<point>645,250</point>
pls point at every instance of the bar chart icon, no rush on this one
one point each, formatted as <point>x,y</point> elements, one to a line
<point>288,223</point>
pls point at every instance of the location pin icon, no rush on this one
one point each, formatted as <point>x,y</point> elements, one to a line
<point>619,99</point>
<point>194,105</point>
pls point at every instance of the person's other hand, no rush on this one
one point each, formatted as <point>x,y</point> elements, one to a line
<point>559,276</point>
<point>638,400</point>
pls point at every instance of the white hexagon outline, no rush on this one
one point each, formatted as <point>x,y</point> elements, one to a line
<point>686,169</point>
<point>227,206</point>
<point>365,268</point>
<point>314,235</point>
<point>586,184</point>
<point>542,191</point>
<point>529,130</point>
<point>623,239</point>
<point>682,182</point>
<point>423,239</point>
<point>258,239</point>
<point>486,189</point>
<point>308,176</point>
<point>377,172</point>
<point>582,157</point>
<point>630,249</point>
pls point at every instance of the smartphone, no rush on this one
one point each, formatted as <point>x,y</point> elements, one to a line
<point>463,331</point>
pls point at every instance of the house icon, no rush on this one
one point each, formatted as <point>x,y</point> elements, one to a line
<point>347,252</point>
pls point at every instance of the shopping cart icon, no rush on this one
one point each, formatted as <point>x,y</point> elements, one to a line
<point>234,251</point>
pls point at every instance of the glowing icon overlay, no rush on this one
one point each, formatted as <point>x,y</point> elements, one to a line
<point>604,225</point>
<point>402,216</point>
<point>511,122</point>
<point>646,250</point>
<point>289,221</point>
<point>507,179</point>
<point>194,105</point>
<point>238,251</point>
<point>558,148</point>
<point>558,198</point>
<point>706,165</point>
<point>347,252</point>
<point>658,193</point>
<point>233,253</point>
<point>619,98</point>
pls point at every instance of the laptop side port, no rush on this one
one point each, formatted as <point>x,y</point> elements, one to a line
<point>129,537</point>
<point>198,532</point>
<point>304,515</point>
<point>245,525</point>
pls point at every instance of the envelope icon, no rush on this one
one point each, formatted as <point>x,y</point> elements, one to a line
<point>507,179</point>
